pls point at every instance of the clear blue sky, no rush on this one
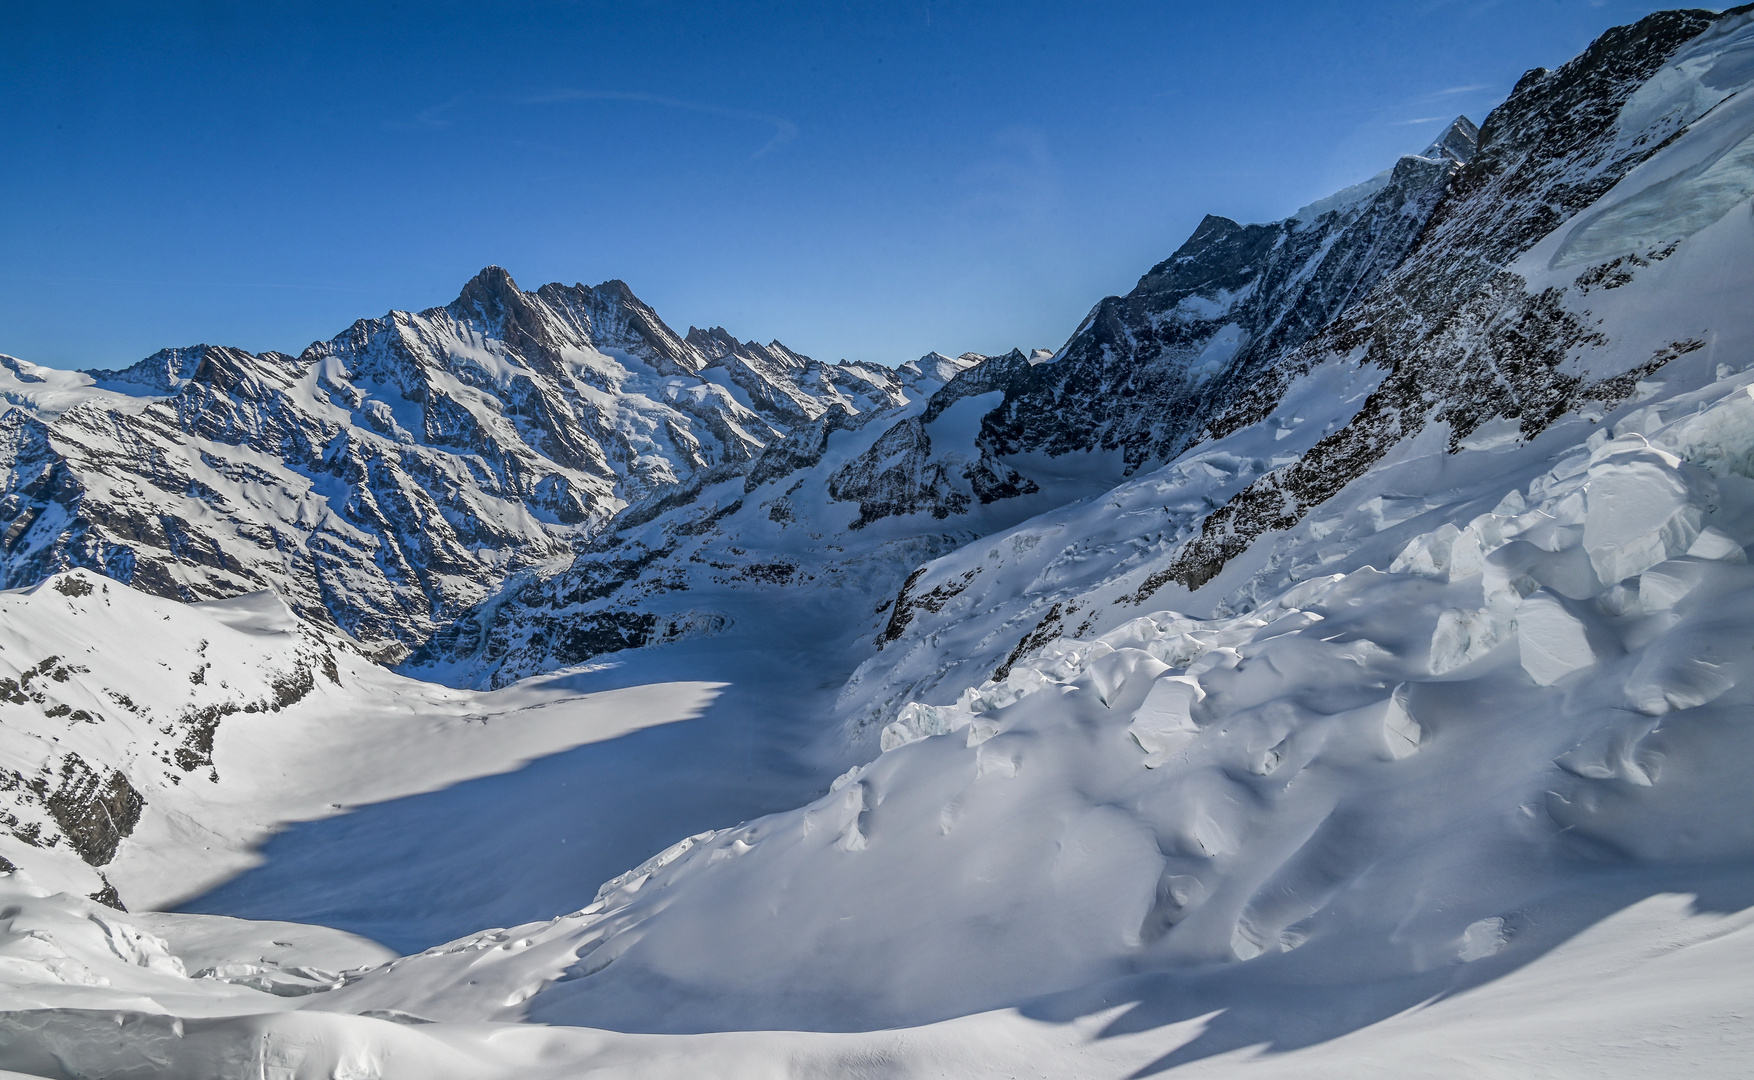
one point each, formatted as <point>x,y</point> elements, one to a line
<point>861,180</point>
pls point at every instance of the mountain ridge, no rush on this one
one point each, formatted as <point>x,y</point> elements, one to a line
<point>1338,656</point>
<point>380,477</point>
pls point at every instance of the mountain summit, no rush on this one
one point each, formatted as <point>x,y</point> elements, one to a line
<point>388,479</point>
<point>1335,659</point>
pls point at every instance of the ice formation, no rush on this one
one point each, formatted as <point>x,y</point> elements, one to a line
<point>1367,693</point>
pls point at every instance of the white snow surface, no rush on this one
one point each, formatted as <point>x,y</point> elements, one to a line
<point>119,672</point>
<point>1450,779</point>
<point>1183,794</point>
<point>1308,839</point>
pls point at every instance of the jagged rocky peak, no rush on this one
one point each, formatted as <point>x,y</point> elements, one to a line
<point>1144,373</point>
<point>390,477</point>
<point>787,387</point>
<point>935,365</point>
<point>1455,146</point>
<point>1457,143</point>
<point>608,317</point>
<point>718,344</point>
<point>1220,257</point>
<point>491,295</point>
<point>169,370</point>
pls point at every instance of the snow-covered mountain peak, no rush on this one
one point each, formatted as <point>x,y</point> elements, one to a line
<point>167,371</point>
<point>491,295</point>
<point>390,477</point>
<point>718,343</point>
<point>936,366</point>
<point>1456,145</point>
<point>1458,142</point>
<point>1337,659</point>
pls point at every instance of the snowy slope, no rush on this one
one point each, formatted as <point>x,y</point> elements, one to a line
<point>1179,793</point>
<point>391,478</point>
<point>1302,770</point>
<point>1663,979</point>
<point>1396,723</point>
<point>147,747</point>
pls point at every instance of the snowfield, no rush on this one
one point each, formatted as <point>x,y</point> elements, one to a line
<point>1381,773</point>
<point>237,718</point>
<point>1399,724</point>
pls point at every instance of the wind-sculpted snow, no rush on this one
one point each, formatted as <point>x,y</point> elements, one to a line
<point>1336,661</point>
<point>1702,186</point>
<point>389,479</point>
<point>108,999</point>
<point>1558,681</point>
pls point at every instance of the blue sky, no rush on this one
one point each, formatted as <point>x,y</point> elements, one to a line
<point>859,180</point>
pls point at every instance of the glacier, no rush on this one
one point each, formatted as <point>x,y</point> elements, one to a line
<point>1334,660</point>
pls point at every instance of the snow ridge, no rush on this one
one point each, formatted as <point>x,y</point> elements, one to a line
<point>389,479</point>
<point>1336,658</point>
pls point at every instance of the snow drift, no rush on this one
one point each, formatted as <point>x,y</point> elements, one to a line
<point>1387,716</point>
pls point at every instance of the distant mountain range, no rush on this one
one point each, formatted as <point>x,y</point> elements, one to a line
<point>1347,630</point>
<point>389,479</point>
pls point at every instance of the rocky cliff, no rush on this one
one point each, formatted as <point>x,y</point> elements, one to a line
<point>386,480</point>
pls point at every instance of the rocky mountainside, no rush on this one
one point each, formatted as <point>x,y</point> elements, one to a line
<point>388,479</point>
<point>1379,696</point>
<point>1145,372</point>
<point>1144,375</point>
<point>1354,323</point>
<point>715,550</point>
<point>1431,641</point>
<point>1005,436</point>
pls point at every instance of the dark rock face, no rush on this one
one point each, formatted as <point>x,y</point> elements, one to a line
<point>801,449</point>
<point>1462,339</point>
<point>898,476</point>
<point>388,479</point>
<point>902,473</point>
<point>94,812</point>
<point>1146,371</point>
<point>908,602</point>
